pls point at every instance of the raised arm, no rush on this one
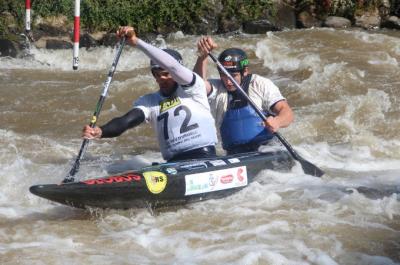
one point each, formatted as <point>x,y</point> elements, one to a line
<point>204,46</point>
<point>179,73</point>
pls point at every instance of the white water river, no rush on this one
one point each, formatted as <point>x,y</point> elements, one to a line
<point>344,88</point>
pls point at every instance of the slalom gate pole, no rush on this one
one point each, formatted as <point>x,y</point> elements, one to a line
<point>27,16</point>
<point>75,59</point>
<point>28,33</point>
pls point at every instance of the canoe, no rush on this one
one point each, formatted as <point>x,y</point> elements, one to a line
<point>167,184</point>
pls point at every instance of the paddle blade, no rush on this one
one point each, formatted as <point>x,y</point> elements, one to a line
<point>311,169</point>
<point>70,177</point>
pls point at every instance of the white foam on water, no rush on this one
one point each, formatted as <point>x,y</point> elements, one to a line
<point>327,81</point>
<point>360,258</point>
<point>176,35</point>
<point>30,160</point>
<point>392,43</point>
<point>350,157</point>
<point>382,59</point>
<point>362,112</point>
<point>98,58</point>
<point>278,54</point>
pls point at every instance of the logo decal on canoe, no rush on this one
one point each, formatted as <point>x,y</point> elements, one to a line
<point>223,179</point>
<point>195,165</point>
<point>171,170</point>
<point>156,181</point>
<point>218,162</point>
<point>113,179</point>
<point>168,103</point>
<point>226,179</point>
<point>233,160</point>
<point>239,175</point>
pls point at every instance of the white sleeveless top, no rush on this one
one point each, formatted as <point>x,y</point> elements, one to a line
<point>182,121</point>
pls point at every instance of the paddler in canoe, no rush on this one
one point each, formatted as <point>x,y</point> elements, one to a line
<point>179,111</point>
<point>241,128</point>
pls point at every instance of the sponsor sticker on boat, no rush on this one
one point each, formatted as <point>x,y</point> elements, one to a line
<point>218,162</point>
<point>113,179</point>
<point>234,160</point>
<point>194,165</point>
<point>171,170</point>
<point>216,180</point>
<point>155,181</point>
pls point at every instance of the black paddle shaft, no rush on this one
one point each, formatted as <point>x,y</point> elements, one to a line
<point>307,166</point>
<point>96,114</point>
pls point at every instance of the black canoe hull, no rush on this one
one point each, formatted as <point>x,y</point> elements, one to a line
<point>167,184</point>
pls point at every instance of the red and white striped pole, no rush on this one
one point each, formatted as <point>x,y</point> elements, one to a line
<point>27,16</point>
<point>75,59</point>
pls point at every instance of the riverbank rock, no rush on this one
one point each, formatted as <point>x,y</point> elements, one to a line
<point>337,22</point>
<point>109,39</point>
<point>306,20</point>
<point>58,44</point>
<point>9,48</point>
<point>391,22</point>
<point>368,20</point>
<point>258,26</point>
<point>87,41</point>
<point>285,17</point>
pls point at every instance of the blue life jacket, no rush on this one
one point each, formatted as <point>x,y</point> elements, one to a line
<point>242,125</point>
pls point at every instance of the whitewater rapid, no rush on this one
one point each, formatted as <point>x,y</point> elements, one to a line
<point>343,87</point>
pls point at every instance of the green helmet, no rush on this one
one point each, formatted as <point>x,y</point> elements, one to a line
<point>233,60</point>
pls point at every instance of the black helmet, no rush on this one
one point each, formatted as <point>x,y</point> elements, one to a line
<point>233,60</point>
<point>177,56</point>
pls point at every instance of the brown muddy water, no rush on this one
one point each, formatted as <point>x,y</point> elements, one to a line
<point>344,88</point>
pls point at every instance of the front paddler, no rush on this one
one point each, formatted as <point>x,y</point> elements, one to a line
<point>179,111</point>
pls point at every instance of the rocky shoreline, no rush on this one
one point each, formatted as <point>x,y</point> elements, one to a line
<point>57,32</point>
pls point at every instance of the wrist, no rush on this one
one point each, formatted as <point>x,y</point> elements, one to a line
<point>98,132</point>
<point>133,41</point>
<point>202,56</point>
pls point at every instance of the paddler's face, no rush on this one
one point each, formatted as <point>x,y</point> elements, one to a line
<point>164,80</point>
<point>228,83</point>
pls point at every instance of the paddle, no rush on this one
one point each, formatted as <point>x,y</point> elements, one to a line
<point>75,167</point>
<point>307,166</point>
